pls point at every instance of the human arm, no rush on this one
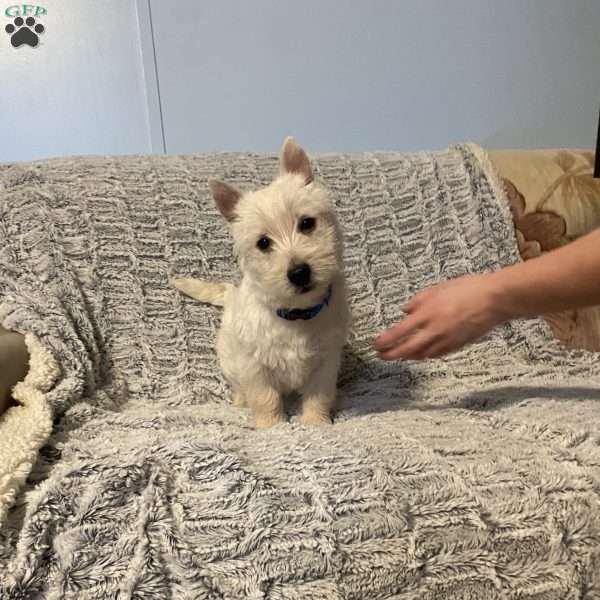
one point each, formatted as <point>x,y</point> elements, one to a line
<point>445,317</point>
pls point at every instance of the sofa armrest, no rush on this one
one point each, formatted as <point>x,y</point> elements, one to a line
<point>14,363</point>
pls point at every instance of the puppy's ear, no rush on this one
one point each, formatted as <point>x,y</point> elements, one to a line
<point>225,196</point>
<point>294,160</point>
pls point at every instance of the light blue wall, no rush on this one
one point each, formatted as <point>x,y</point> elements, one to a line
<point>81,90</point>
<point>377,74</point>
<point>339,74</point>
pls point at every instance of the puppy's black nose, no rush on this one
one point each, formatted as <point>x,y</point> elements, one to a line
<point>299,275</point>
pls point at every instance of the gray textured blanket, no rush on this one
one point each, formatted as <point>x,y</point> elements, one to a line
<point>476,477</point>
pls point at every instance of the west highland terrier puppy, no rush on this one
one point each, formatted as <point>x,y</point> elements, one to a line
<point>284,327</point>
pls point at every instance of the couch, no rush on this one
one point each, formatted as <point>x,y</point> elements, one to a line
<point>125,472</point>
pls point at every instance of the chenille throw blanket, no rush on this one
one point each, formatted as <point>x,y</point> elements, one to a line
<point>126,473</point>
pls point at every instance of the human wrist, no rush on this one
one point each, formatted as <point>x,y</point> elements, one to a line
<point>499,301</point>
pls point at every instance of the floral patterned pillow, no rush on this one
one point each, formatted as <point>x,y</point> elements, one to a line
<point>554,199</point>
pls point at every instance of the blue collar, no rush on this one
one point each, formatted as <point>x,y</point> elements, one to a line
<point>304,313</point>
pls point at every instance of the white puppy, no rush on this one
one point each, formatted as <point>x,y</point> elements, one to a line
<point>284,327</point>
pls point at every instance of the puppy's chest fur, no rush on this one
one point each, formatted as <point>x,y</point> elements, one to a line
<point>253,336</point>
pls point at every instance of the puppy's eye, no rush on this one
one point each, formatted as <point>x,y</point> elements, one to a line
<point>307,224</point>
<point>264,243</point>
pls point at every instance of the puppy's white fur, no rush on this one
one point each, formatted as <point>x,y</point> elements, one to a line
<point>262,355</point>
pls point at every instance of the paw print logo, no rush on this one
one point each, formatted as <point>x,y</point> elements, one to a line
<point>24,32</point>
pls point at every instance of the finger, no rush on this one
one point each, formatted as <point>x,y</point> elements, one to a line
<point>439,350</point>
<point>411,305</point>
<point>408,326</point>
<point>414,348</point>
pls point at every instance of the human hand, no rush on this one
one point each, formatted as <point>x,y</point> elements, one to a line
<point>442,319</point>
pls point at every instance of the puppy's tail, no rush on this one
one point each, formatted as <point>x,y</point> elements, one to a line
<point>205,291</point>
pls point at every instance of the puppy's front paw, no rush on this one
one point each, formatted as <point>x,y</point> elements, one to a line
<point>315,417</point>
<point>266,420</point>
